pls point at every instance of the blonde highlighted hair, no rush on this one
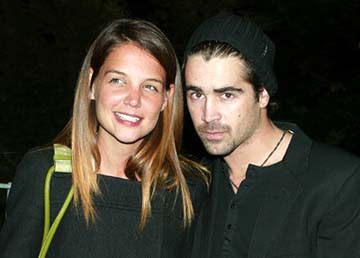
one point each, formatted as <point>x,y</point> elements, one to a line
<point>156,161</point>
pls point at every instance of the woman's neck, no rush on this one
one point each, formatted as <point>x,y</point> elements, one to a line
<point>114,156</point>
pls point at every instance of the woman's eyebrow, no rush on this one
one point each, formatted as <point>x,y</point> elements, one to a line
<point>115,71</point>
<point>124,74</point>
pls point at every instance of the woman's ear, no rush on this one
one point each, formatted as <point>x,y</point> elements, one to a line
<point>168,95</point>
<point>91,85</point>
<point>264,98</point>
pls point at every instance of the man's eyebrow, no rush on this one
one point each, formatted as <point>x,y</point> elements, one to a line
<point>193,88</point>
<point>228,88</point>
<point>219,90</point>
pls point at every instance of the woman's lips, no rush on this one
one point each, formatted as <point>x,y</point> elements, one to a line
<point>127,119</point>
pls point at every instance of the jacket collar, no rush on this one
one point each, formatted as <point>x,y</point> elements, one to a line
<point>297,155</point>
<point>283,188</point>
<point>296,158</point>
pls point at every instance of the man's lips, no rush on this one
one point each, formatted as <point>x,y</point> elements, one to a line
<point>213,135</point>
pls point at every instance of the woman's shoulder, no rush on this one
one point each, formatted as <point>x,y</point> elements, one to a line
<point>39,155</point>
<point>196,174</point>
<point>28,181</point>
<point>40,151</point>
<point>197,178</point>
<point>35,163</point>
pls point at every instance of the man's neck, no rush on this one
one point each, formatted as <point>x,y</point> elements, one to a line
<point>257,149</point>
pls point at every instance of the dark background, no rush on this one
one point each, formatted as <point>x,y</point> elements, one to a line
<point>43,42</point>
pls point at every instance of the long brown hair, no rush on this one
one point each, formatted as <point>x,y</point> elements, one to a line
<point>156,161</point>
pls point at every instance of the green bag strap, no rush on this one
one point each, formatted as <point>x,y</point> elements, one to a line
<point>62,163</point>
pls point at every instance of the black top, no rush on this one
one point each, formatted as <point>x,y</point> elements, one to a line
<point>115,232</point>
<point>232,209</point>
<point>307,205</point>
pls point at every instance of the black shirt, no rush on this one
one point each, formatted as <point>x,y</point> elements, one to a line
<point>235,209</point>
<point>303,206</point>
<point>115,232</point>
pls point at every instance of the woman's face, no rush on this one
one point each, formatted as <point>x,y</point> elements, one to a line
<point>129,92</point>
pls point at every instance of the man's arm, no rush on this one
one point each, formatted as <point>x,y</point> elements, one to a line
<point>339,231</point>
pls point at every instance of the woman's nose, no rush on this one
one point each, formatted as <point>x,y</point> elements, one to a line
<point>133,98</point>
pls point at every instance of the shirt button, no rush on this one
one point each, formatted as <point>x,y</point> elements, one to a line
<point>227,240</point>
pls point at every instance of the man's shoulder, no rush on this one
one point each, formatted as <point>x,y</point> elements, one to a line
<point>329,165</point>
<point>332,157</point>
<point>313,155</point>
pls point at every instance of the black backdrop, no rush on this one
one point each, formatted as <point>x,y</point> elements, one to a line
<point>43,42</point>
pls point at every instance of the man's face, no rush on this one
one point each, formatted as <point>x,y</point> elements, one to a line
<point>223,106</point>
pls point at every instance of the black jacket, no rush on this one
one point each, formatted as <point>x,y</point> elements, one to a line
<point>311,208</point>
<point>115,232</point>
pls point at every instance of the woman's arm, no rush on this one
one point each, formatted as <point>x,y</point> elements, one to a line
<point>21,234</point>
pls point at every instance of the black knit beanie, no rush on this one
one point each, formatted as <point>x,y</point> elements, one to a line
<point>247,38</point>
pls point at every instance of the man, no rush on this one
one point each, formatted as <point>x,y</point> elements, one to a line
<point>274,192</point>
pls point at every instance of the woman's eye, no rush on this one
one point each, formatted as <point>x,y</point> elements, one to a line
<point>117,81</point>
<point>151,87</point>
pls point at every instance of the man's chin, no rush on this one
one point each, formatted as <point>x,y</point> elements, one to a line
<point>218,148</point>
<point>214,148</point>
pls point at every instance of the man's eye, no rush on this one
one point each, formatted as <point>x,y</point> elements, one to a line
<point>196,95</point>
<point>228,95</point>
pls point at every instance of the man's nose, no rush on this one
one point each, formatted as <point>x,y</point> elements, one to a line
<point>210,111</point>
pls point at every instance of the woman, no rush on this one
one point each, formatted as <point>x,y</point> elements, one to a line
<point>131,198</point>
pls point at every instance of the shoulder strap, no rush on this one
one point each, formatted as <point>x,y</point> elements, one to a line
<point>62,163</point>
<point>62,158</point>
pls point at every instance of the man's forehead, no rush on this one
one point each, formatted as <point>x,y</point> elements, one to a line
<point>197,57</point>
<point>214,75</point>
<point>216,67</point>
